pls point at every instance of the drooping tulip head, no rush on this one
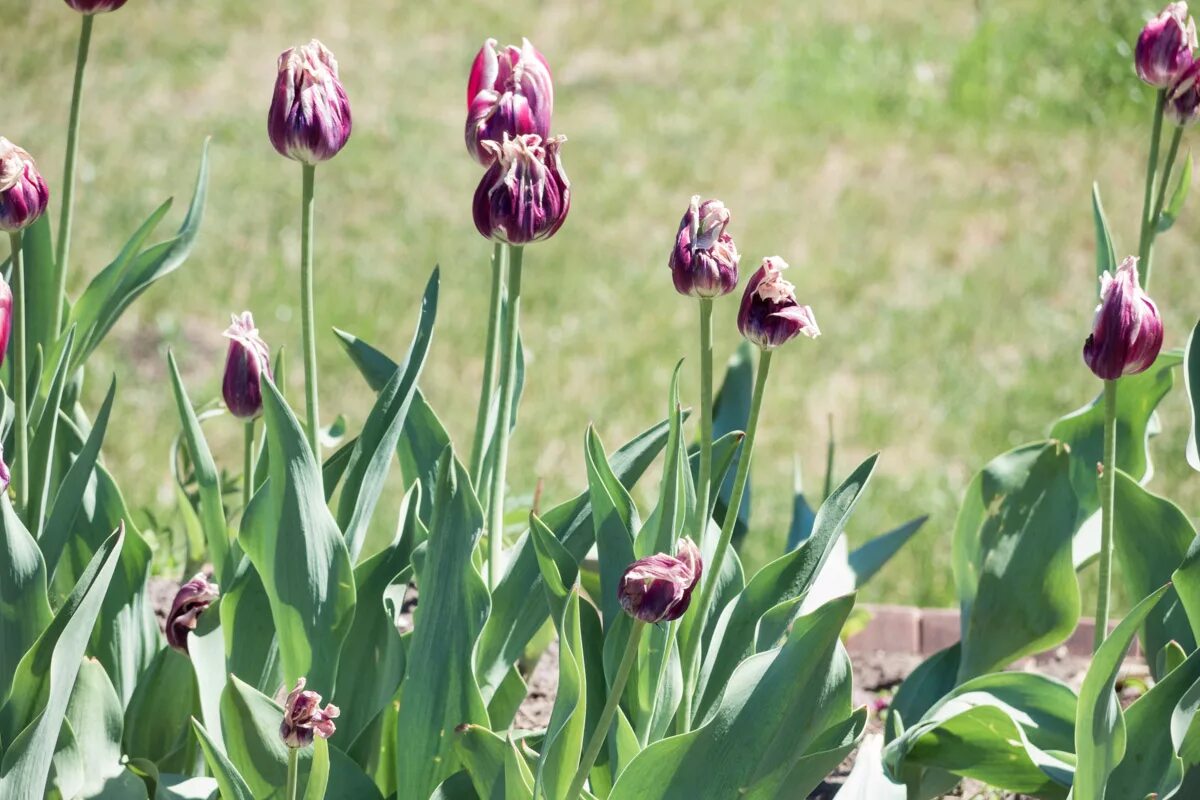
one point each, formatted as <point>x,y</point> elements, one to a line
<point>704,261</point>
<point>95,6</point>
<point>248,359</point>
<point>525,194</point>
<point>769,315</point>
<point>192,600</point>
<point>658,588</point>
<point>309,120</point>
<point>23,191</point>
<point>509,92</point>
<point>303,717</point>
<point>1165,46</point>
<point>1127,332</point>
<point>1183,97</point>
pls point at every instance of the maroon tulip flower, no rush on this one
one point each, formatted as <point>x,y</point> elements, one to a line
<point>1128,332</point>
<point>525,194</point>
<point>1183,98</point>
<point>309,120</point>
<point>1165,45</point>
<point>658,588</point>
<point>6,304</point>
<point>95,6</point>
<point>509,93</point>
<point>247,361</point>
<point>303,717</point>
<point>192,600</point>
<point>23,191</point>
<point>5,476</point>
<point>704,261</point>
<point>770,315</point>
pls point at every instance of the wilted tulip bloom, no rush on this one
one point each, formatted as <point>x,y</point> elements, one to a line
<point>509,92</point>
<point>23,191</point>
<point>247,360</point>
<point>704,261</point>
<point>309,120</point>
<point>1165,45</point>
<point>304,718</point>
<point>6,303</point>
<point>95,6</point>
<point>192,600</point>
<point>770,315</point>
<point>524,195</point>
<point>1183,98</point>
<point>658,588</point>
<point>1127,333</point>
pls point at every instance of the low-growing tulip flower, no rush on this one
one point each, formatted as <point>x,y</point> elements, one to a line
<point>303,717</point>
<point>192,600</point>
<point>23,191</point>
<point>525,194</point>
<point>95,6</point>
<point>247,361</point>
<point>510,92</point>
<point>1164,47</point>
<point>704,261</point>
<point>309,120</point>
<point>769,315</point>
<point>658,588</point>
<point>1127,332</point>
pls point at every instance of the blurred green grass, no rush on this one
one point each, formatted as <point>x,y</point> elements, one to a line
<point>924,166</point>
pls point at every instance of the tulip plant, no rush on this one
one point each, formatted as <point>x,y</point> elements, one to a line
<point>324,651</point>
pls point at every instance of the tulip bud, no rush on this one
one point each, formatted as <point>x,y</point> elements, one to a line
<point>23,191</point>
<point>1165,45</point>
<point>770,315</point>
<point>192,600</point>
<point>6,304</point>
<point>247,360</point>
<point>704,261</point>
<point>303,717</point>
<point>511,93</point>
<point>1127,332</point>
<point>309,120</point>
<point>525,194</point>
<point>1183,98</point>
<point>95,6</point>
<point>658,588</point>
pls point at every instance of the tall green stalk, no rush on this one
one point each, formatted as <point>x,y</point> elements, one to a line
<point>1108,483</point>
<point>704,479</point>
<point>293,774</point>
<point>308,314</point>
<point>1149,217</point>
<point>248,466</point>
<point>604,724</point>
<point>20,374</point>
<point>487,384</point>
<point>508,376</point>
<point>63,251</point>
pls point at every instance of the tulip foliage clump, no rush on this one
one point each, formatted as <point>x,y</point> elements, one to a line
<point>322,648</point>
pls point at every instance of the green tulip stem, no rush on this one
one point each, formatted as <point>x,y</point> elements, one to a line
<point>293,774</point>
<point>704,478</point>
<point>487,385</point>
<point>713,571</point>
<point>308,320</point>
<point>248,467</point>
<point>1149,217</point>
<point>63,251</point>
<point>1108,484</point>
<point>508,376</point>
<point>600,734</point>
<point>20,375</point>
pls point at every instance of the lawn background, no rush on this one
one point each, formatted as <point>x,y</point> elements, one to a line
<point>924,166</point>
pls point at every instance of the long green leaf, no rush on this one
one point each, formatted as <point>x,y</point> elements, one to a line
<point>24,604</point>
<point>41,288</point>
<point>1106,255</point>
<point>94,714</point>
<point>232,784</point>
<point>731,412</point>
<point>41,444</point>
<point>614,519</point>
<point>156,719</point>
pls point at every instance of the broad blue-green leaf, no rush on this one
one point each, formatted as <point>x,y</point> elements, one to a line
<point>518,602</point>
<point>1151,764</point>
<point>731,412</point>
<point>134,270</point>
<point>614,519</point>
<point>41,442</point>
<point>439,689</point>
<point>1100,732</point>
<point>41,286</point>
<point>24,606</point>
<point>318,775</point>
<point>31,719</point>
<point>867,780</point>
<point>932,679</point>
<point>662,530</point>
<point>224,555</point>
<point>156,720</point>
<point>232,784</point>
<point>1152,536</point>
<point>482,754</point>
<point>819,759</point>
<point>787,578</point>
<point>1106,255</point>
<point>94,715</point>
<point>1191,380</point>
<point>870,557</point>
<point>372,455</point>
<point>518,778</point>
<point>777,703</point>
<point>1005,729</point>
<point>298,551</point>
<point>250,723</point>
<point>251,648</point>
<point>1012,558</point>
